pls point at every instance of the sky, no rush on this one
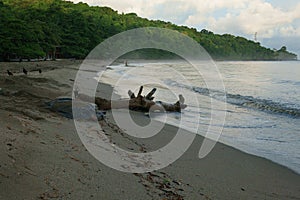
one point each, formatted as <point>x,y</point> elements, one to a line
<point>276,22</point>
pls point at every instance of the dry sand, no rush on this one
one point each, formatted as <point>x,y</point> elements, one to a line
<point>42,156</point>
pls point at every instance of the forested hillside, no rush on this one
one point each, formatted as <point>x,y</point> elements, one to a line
<point>57,28</point>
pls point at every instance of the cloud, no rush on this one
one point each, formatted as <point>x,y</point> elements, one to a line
<point>143,8</point>
<point>241,17</point>
<point>259,16</point>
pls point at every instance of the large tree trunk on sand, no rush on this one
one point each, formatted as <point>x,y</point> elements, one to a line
<point>137,103</point>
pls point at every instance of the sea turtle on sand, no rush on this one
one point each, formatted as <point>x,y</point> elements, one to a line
<point>63,106</point>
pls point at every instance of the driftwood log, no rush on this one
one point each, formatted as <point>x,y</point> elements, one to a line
<point>137,103</point>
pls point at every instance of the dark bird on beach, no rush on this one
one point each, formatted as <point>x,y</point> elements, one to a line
<point>9,73</point>
<point>25,71</point>
<point>40,71</point>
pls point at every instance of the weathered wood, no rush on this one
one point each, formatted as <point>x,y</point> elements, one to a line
<point>131,94</point>
<point>150,94</point>
<point>140,91</point>
<point>137,103</point>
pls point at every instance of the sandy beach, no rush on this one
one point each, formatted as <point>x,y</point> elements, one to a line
<point>42,156</point>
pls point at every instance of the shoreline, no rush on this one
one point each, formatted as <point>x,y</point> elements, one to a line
<point>43,157</point>
<point>242,151</point>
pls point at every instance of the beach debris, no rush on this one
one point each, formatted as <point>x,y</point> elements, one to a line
<point>86,106</point>
<point>52,194</point>
<point>9,146</point>
<point>9,73</point>
<point>146,103</point>
<point>137,103</point>
<point>75,159</point>
<point>162,185</point>
<point>25,71</point>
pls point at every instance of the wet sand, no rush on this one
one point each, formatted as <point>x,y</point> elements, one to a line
<point>42,156</point>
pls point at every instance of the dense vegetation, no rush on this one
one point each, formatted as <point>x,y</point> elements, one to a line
<point>39,28</point>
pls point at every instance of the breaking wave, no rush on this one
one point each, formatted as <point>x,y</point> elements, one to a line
<point>243,101</point>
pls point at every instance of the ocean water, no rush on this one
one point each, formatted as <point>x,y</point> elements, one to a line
<point>262,102</point>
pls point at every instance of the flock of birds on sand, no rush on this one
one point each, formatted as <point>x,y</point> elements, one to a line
<point>9,73</point>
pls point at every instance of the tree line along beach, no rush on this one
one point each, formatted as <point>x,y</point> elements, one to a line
<point>45,30</point>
